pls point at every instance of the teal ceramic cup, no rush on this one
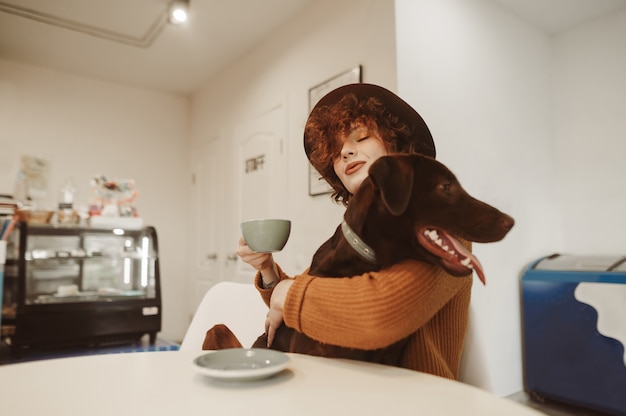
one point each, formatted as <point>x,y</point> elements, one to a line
<point>266,235</point>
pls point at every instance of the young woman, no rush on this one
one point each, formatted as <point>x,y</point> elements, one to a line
<point>345,133</point>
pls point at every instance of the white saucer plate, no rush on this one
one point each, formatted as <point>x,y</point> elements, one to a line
<point>241,363</point>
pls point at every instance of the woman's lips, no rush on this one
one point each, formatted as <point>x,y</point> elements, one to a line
<point>353,167</point>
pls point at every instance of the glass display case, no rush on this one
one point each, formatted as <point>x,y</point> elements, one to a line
<point>82,286</point>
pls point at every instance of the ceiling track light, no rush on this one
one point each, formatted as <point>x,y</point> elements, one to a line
<point>179,12</point>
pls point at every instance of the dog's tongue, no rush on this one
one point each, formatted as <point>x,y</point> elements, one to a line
<point>452,252</point>
<point>466,258</point>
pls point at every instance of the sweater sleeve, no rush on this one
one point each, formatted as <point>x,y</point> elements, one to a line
<point>266,294</point>
<point>372,310</point>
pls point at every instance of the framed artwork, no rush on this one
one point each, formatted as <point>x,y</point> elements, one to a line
<point>317,185</point>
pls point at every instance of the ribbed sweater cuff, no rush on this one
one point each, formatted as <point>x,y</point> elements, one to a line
<point>266,294</point>
<point>294,300</point>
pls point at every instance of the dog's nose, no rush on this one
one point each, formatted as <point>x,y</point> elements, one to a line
<point>507,222</point>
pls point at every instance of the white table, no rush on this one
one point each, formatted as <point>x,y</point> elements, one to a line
<point>165,383</point>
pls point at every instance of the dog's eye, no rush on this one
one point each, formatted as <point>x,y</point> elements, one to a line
<point>446,187</point>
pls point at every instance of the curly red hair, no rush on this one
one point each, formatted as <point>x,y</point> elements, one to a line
<point>326,127</point>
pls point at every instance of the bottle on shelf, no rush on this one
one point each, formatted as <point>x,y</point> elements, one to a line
<point>66,213</point>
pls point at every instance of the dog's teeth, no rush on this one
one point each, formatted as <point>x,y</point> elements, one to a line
<point>466,262</point>
<point>434,237</point>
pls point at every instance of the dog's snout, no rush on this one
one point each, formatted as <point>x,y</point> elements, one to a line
<point>507,222</point>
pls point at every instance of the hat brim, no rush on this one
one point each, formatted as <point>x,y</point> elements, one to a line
<point>421,136</point>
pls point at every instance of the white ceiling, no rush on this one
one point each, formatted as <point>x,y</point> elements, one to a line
<point>180,58</point>
<point>67,35</point>
<point>557,15</point>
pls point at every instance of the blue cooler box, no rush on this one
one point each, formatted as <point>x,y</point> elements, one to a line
<point>574,324</point>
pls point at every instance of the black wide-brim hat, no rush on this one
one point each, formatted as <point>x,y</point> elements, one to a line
<point>421,139</point>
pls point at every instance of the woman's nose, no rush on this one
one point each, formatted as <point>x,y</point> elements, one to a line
<point>347,151</point>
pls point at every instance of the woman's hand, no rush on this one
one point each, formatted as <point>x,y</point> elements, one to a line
<point>263,262</point>
<point>260,261</point>
<point>275,315</point>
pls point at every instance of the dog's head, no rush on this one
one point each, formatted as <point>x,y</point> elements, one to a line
<point>427,209</point>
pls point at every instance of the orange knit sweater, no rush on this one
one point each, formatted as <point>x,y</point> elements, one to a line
<point>375,309</point>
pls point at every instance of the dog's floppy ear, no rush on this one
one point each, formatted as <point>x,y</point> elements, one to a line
<point>394,178</point>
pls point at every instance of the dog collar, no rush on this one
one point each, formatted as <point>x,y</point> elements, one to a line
<point>357,244</point>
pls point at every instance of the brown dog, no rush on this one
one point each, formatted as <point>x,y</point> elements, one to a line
<point>409,207</point>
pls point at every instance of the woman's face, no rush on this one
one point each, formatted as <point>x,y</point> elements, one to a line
<point>361,147</point>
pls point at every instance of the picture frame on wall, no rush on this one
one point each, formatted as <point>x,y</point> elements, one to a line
<point>317,185</point>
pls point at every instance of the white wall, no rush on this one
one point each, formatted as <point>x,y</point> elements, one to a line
<point>87,127</point>
<point>482,82</point>
<point>590,110</point>
<point>326,39</point>
<point>531,123</point>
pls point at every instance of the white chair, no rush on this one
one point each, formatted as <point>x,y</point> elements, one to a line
<point>236,305</point>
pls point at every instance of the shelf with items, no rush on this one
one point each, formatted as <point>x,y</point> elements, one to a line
<point>84,286</point>
<point>8,268</point>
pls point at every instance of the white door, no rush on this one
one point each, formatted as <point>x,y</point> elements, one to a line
<point>207,227</point>
<point>261,169</point>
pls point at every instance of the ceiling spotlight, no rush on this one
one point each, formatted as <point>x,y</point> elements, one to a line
<point>179,11</point>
